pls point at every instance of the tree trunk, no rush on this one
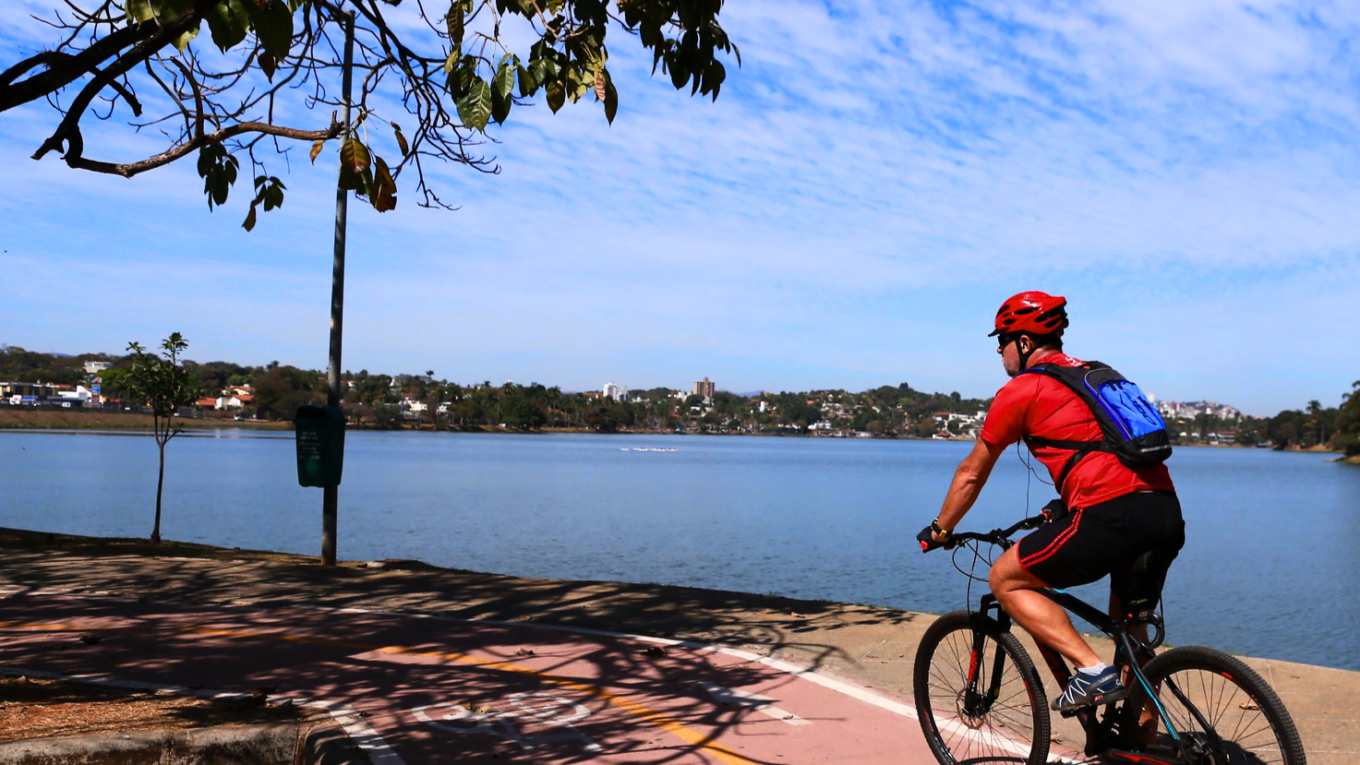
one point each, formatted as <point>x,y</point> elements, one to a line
<point>160,486</point>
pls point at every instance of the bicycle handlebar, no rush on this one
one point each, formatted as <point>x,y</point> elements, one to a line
<point>997,536</point>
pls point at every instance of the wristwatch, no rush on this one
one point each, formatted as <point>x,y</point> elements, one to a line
<point>935,528</point>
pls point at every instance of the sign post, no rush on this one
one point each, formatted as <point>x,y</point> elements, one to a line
<point>330,500</point>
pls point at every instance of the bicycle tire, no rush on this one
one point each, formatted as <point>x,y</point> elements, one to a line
<point>1241,708</point>
<point>1014,728</point>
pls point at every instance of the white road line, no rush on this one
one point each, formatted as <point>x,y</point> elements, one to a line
<point>753,700</point>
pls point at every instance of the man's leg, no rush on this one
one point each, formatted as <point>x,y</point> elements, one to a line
<point>1045,620</point>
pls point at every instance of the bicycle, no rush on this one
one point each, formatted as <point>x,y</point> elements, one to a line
<point>980,700</point>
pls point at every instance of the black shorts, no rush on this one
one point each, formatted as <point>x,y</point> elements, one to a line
<point>1109,538</point>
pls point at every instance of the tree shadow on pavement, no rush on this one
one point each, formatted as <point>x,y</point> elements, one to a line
<point>462,677</point>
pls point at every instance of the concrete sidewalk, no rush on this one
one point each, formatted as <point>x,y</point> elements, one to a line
<point>870,646</point>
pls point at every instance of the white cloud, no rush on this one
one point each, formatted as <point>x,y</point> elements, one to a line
<point>873,179</point>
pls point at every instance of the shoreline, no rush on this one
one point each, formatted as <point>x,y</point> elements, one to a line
<point>133,423</point>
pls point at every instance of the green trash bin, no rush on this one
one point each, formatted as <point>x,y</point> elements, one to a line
<point>320,432</point>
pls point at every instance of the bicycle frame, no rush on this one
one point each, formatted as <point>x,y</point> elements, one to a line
<point>1128,650</point>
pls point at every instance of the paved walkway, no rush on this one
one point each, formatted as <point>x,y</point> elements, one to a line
<point>795,681</point>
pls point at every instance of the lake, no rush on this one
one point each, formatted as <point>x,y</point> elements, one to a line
<point>1273,548</point>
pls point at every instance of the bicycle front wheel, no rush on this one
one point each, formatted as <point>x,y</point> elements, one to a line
<point>1001,717</point>
<point>1219,710</point>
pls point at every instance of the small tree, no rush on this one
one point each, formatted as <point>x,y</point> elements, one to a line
<point>162,384</point>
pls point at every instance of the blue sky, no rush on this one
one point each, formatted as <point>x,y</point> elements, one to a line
<point>872,182</point>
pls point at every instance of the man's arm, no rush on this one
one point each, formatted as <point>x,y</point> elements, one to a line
<point>969,479</point>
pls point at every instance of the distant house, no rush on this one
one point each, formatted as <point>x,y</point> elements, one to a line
<point>234,400</point>
<point>208,403</point>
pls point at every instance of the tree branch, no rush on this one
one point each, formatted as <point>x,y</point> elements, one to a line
<point>203,139</point>
<point>68,68</point>
<point>68,131</point>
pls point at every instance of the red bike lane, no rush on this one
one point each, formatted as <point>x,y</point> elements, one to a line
<point>415,689</point>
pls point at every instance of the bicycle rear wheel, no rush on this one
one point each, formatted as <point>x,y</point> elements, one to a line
<point>1222,711</point>
<point>1005,721</point>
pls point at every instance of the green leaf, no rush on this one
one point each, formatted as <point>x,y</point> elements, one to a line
<point>368,188</point>
<point>221,188</point>
<point>230,165</point>
<point>354,155</point>
<point>679,75</point>
<point>474,109</point>
<point>273,27</point>
<point>139,11</point>
<point>229,21</point>
<point>611,101</point>
<point>207,158</point>
<point>557,95</point>
<point>713,80</point>
<point>185,38</point>
<point>350,180</point>
<point>527,86</point>
<point>249,224</point>
<point>167,11</point>
<point>578,82</point>
<point>502,88</point>
<point>462,77</point>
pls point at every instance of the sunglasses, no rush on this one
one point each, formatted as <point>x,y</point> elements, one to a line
<point>1004,340</point>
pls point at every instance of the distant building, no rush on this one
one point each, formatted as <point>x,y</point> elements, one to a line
<point>705,388</point>
<point>615,392</point>
<point>1189,409</point>
<point>95,367</point>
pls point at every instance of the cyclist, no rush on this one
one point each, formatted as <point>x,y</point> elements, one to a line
<point>1108,517</point>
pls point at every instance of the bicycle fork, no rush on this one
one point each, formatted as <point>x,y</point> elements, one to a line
<point>977,703</point>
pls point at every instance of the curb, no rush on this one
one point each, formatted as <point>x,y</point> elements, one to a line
<point>270,744</point>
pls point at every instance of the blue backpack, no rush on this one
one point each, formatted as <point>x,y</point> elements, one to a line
<point>1133,430</point>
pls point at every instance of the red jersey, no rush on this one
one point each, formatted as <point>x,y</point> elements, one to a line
<point>1037,405</point>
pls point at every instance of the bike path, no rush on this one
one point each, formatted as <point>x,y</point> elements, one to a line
<point>417,689</point>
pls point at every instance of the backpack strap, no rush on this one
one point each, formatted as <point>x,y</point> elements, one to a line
<point>1079,449</point>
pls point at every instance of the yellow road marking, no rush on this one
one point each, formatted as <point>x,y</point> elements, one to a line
<point>641,711</point>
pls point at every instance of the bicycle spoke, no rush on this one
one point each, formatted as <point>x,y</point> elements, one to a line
<point>974,730</point>
<point>1233,715</point>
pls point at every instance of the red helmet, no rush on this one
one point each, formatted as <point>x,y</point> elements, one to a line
<point>1037,313</point>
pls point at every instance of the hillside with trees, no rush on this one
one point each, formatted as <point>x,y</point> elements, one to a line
<point>383,401</point>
